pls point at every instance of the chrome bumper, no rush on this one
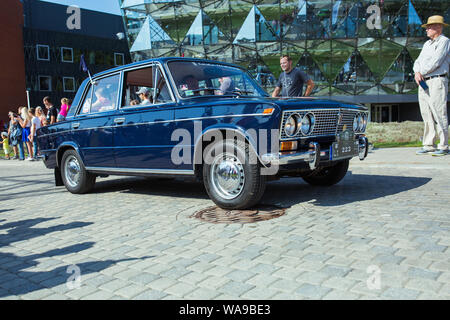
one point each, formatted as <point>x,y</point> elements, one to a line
<point>312,156</point>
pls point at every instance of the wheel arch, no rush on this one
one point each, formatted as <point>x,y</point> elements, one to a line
<point>63,148</point>
<point>200,144</point>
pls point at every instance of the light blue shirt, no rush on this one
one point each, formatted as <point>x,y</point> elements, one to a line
<point>434,59</point>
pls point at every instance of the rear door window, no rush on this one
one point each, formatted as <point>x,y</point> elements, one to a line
<point>102,95</point>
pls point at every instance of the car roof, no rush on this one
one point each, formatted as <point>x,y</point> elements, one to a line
<point>162,60</point>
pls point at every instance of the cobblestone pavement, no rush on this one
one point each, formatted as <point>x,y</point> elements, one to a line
<point>381,233</point>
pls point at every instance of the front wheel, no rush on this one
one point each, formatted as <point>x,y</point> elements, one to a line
<point>328,176</point>
<point>232,176</point>
<point>75,177</point>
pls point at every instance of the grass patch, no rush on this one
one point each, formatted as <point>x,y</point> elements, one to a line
<point>397,144</point>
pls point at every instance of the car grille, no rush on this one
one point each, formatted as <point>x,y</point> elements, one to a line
<point>326,123</point>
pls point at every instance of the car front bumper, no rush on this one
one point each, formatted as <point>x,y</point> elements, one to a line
<point>313,156</point>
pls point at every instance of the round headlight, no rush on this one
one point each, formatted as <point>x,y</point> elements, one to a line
<point>364,116</point>
<point>290,127</point>
<point>307,124</point>
<point>360,122</point>
<point>355,123</point>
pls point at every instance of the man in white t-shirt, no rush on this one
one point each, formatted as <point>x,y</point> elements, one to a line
<point>35,124</point>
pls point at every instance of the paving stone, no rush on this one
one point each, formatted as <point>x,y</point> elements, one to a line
<point>312,291</point>
<point>400,294</point>
<point>235,288</point>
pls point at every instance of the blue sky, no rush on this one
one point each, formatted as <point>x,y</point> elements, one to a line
<point>109,6</point>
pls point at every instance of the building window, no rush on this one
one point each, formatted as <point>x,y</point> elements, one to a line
<point>66,54</point>
<point>45,83</point>
<point>43,52</point>
<point>69,84</point>
<point>119,59</point>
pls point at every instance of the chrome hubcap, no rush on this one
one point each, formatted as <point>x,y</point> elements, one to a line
<point>72,171</point>
<point>228,176</point>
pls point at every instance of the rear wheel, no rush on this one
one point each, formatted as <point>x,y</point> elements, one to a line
<point>74,175</point>
<point>232,176</point>
<point>328,176</point>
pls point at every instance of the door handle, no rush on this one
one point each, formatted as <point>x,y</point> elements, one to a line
<point>119,120</point>
<point>75,125</point>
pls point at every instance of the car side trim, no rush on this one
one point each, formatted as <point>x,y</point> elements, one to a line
<point>132,171</point>
<point>164,121</point>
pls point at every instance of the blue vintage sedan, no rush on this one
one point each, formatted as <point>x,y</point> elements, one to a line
<point>204,119</point>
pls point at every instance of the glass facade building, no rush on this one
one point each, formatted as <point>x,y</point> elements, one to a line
<point>358,51</point>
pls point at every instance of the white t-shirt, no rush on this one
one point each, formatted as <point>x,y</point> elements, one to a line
<point>37,123</point>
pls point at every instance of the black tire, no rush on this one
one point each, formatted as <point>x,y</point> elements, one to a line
<point>328,176</point>
<point>246,184</point>
<point>75,177</point>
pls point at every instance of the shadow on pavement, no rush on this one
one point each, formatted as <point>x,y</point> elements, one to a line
<point>354,188</point>
<point>288,191</point>
<point>16,277</point>
<point>154,186</point>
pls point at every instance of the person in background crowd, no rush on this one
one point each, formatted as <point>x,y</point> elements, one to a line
<point>290,83</point>
<point>15,135</point>
<point>63,110</point>
<point>431,75</point>
<point>25,123</point>
<point>40,114</point>
<point>35,125</point>
<point>52,111</point>
<point>5,142</point>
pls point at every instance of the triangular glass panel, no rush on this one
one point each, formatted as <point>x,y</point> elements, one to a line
<point>414,46</point>
<point>291,11</point>
<point>255,28</point>
<point>142,41</point>
<point>309,66</point>
<point>396,76</point>
<point>428,8</point>
<point>331,64</point>
<point>164,16</point>
<point>401,41</point>
<point>310,22</point>
<point>344,19</point>
<point>414,22</point>
<point>132,4</point>
<point>219,12</point>
<point>379,56</point>
<point>346,79</point>
<point>270,54</point>
<point>133,22</point>
<point>364,77</point>
<point>194,35</point>
<point>185,16</point>
<point>399,18</point>
<point>364,41</point>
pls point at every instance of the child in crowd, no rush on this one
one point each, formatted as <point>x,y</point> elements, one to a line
<point>41,115</point>
<point>65,106</point>
<point>5,143</point>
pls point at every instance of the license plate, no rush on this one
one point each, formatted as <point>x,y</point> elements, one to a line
<point>345,146</point>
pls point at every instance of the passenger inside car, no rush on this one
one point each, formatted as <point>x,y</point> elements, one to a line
<point>103,101</point>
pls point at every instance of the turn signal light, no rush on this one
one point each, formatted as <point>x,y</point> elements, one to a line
<point>288,146</point>
<point>268,110</point>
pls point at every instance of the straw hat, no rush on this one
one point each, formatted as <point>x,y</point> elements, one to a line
<point>435,20</point>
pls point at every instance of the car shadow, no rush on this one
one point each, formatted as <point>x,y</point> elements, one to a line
<point>16,272</point>
<point>285,192</point>
<point>353,188</point>
<point>175,187</point>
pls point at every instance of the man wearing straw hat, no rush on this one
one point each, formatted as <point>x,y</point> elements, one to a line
<point>431,75</point>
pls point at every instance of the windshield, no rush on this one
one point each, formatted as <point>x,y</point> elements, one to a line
<point>208,79</point>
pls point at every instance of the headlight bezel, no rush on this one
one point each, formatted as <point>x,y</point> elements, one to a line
<point>295,118</point>
<point>311,121</point>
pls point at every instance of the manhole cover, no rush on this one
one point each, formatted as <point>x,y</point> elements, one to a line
<point>219,215</point>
